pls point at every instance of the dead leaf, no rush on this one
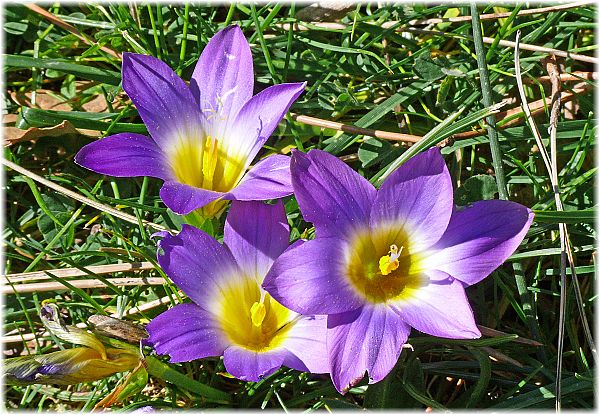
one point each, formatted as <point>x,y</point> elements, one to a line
<point>13,135</point>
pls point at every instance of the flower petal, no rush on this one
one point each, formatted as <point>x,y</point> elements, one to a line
<point>259,117</point>
<point>186,332</point>
<point>417,197</point>
<point>479,239</point>
<point>306,343</point>
<point>368,339</point>
<point>440,308</point>
<point>197,264</point>
<point>124,155</point>
<point>162,99</point>
<point>223,79</point>
<point>256,234</point>
<point>182,199</point>
<point>309,279</point>
<point>331,195</point>
<point>252,366</point>
<point>269,179</point>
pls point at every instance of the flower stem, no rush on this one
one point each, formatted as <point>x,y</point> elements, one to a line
<point>161,370</point>
<point>487,101</point>
<point>186,18</point>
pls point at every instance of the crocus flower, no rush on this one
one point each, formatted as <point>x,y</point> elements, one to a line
<point>202,137</point>
<point>231,315</point>
<point>388,260</point>
<point>67,367</point>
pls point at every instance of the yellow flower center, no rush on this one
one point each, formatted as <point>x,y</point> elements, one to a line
<point>207,164</point>
<point>251,318</point>
<point>379,271</point>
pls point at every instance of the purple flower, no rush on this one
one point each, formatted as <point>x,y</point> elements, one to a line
<point>203,137</point>
<point>231,315</point>
<point>388,260</point>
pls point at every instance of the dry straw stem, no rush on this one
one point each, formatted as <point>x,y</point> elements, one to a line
<point>25,277</point>
<point>83,284</point>
<point>135,310</point>
<point>566,77</point>
<point>386,135</point>
<point>494,16</point>
<point>535,108</point>
<point>299,26</point>
<point>552,168</point>
<point>66,26</point>
<point>80,198</point>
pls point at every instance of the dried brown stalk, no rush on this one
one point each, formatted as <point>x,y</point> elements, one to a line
<point>25,277</point>
<point>494,16</point>
<point>66,26</point>
<point>83,284</point>
<point>386,135</point>
<point>566,77</point>
<point>80,198</point>
<point>551,166</point>
<point>18,338</point>
<point>299,26</point>
<point>535,108</point>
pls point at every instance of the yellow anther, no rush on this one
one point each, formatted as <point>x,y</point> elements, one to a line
<point>257,313</point>
<point>389,263</point>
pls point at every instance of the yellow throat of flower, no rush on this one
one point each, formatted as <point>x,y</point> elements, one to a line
<point>251,318</point>
<point>381,267</point>
<point>207,163</point>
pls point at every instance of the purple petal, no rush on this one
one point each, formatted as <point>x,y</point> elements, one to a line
<point>331,195</point>
<point>197,264</point>
<point>306,343</point>
<point>182,199</point>
<point>223,79</point>
<point>162,99</point>
<point>369,339</point>
<point>125,155</point>
<point>309,279</point>
<point>440,308</point>
<point>256,234</point>
<point>417,198</point>
<point>480,238</point>
<point>186,332</point>
<point>269,179</point>
<point>259,117</point>
<point>252,366</point>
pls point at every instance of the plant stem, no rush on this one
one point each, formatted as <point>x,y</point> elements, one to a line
<point>487,102</point>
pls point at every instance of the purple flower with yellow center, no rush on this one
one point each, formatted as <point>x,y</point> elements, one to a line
<point>388,260</point>
<point>231,315</point>
<point>202,137</point>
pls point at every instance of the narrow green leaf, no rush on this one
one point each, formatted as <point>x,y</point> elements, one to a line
<point>86,72</point>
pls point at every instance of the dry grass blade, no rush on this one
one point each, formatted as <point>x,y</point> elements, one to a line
<point>25,277</point>
<point>511,44</point>
<point>80,198</point>
<point>386,135</point>
<point>83,284</point>
<point>61,23</point>
<point>494,16</point>
<point>487,331</point>
<point>566,77</point>
<point>552,168</point>
<point>18,338</point>
<point>535,108</point>
<point>488,40</point>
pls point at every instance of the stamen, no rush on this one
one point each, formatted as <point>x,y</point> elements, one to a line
<point>258,313</point>
<point>209,162</point>
<point>389,263</point>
